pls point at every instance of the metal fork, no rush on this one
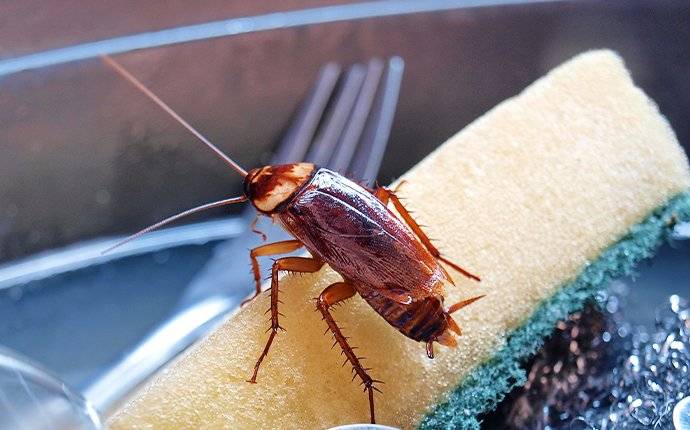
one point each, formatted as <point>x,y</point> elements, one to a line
<point>343,127</point>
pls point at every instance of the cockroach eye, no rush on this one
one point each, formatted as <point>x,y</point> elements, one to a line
<point>270,186</point>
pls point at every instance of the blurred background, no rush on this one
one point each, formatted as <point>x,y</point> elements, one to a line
<point>84,156</point>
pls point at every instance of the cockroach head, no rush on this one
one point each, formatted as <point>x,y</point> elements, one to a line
<point>269,187</point>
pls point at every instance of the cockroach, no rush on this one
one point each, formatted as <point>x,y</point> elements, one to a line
<point>385,258</point>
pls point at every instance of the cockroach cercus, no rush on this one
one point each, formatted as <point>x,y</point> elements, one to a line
<point>385,258</point>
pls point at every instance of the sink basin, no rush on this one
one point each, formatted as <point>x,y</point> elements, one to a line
<point>84,157</point>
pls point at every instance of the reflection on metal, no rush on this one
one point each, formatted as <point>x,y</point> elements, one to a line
<point>681,414</point>
<point>87,254</point>
<point>243,25</point>
<point>367,160</point>
<point>32,398</point>
<point>682,231</point>
<point>155,350</point>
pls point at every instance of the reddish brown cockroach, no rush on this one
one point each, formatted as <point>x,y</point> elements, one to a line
<point>388,261</point>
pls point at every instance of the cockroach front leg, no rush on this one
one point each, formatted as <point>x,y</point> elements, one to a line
<point>386,195</point>
<point>292,264</point>
<point>269,249</point>
<point>256,230</point>
<point>333,294</point>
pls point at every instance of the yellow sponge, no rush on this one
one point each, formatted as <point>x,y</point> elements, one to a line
<point>526,196</point>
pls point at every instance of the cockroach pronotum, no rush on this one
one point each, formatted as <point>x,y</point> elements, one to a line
<point>388,260</point>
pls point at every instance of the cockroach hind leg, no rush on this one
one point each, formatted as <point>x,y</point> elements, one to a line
<point>385,195</point>
<point>333,294</point>
<point>400,185</point>
<point>459,269</point>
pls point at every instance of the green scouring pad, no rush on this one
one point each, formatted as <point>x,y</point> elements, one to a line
<point>547,197</point>
<point>486,385</point>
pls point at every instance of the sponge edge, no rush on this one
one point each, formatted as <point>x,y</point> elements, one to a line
<point>486,385</point>
<point>527,196</point>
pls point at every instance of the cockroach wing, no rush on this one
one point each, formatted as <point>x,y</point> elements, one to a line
<point>352,231</point>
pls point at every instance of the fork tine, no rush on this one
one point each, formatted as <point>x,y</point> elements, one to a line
<point>327,137</point>
<point>294,145</point>
<point>358,119</point>
<point>367,160</point>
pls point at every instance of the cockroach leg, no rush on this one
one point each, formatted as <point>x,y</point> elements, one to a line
<point>282,247</point>
<point>430,349</point>
<point>256,230</point>
<point>399,186</point>
<point>333,294</point>
<point>386,195</point>
<point>292,264</point>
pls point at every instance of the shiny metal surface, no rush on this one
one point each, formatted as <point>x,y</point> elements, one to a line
<point>243,25</point>
<point>83,158</point>
<point>75,132</point>
<point>82,256</point>
<point>156,349</point>
<point>681,414</point>
<point>31,398</point>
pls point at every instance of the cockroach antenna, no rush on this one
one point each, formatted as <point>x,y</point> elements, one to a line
<point>134,81</point>
<point>141,87</point>
<point>173,218</point>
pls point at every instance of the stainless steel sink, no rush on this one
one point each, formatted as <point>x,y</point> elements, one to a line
<point>83,157</point>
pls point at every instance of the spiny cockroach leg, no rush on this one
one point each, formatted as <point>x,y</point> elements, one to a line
<point>292,264</point>
<point>282,247</point>
<point>386,195</point>
<point>256,230</point>
<point>332,295</point>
